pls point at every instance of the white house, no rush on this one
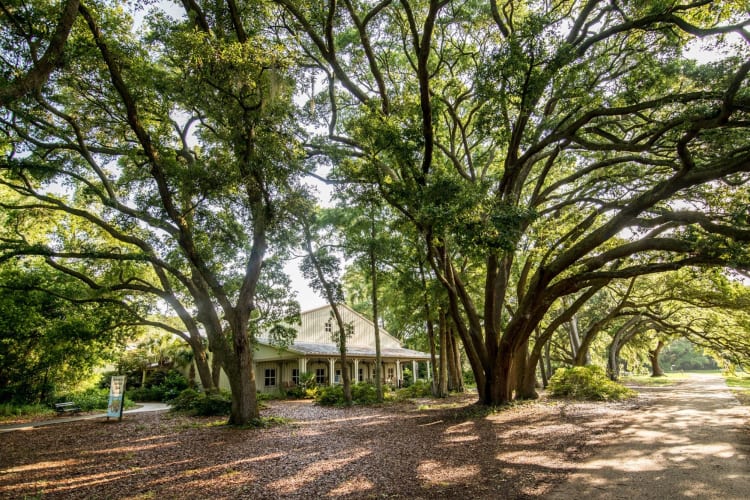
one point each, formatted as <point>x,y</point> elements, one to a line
<point>315,351</point>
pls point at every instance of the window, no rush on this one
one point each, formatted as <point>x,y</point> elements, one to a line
<point>329,326</point>
<point>390,373</point>
<point>295,375</point>
<point>270,377</point>
<point>320,375</point>
<point>361,375</point>
<point>338,376</point>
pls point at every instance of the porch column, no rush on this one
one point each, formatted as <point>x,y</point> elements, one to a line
<point>302,364</point>
<point>398,373</point>
<point>414,370</point>
<point>429,374</point>
<point>331,370</point>
<point>356,370</point>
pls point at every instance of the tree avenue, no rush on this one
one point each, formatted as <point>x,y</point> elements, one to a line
<point>542,150</point>
<point>536,153</point>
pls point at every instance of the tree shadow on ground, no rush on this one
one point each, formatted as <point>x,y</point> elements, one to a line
<point>394,451</point>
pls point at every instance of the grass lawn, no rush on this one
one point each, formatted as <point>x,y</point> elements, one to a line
<point>740,385</point>
<point>668,379</point>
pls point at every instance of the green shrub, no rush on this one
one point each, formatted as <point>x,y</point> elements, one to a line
<point>407,378</point>
<point>308,380</point>
<point>586,382</point>
<point>330,395</point>
<point>469,380</point>
<point>214,404</point>
<point>174,383</point>
<point>362,394</point>
<point>195,403</point>
<point>160,386</point>
<point>262,396</point>
<point>420,389</point>
<point>185,401</point>
<point>296,392</point>
<point>90,399</point>
<point>10,410</point>
<point>145,394</point>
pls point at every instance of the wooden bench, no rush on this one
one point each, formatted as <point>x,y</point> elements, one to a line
<point>67,407</point>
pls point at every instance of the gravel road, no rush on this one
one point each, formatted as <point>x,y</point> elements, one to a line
<point>686,441</point>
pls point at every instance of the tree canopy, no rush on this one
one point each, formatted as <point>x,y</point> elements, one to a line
<point>51,334</point>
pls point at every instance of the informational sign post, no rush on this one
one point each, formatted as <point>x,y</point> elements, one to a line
<point>116,397</point>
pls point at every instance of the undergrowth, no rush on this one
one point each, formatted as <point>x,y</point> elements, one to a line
<point>586,382</point>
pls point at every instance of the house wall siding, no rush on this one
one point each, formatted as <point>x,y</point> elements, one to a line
<point>313,329</point>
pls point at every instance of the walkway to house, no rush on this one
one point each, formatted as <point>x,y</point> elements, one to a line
<point>688,441</point>
<point>143,407</point>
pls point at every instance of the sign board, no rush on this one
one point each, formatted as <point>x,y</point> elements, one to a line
<point>116,396</point>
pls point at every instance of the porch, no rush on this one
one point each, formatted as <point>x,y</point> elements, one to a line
<point>272,376</point>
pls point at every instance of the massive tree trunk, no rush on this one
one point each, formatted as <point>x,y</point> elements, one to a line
<point>496,388</point>
<point>240,372</point>
<point>653,356</point>
<point>526,373</point>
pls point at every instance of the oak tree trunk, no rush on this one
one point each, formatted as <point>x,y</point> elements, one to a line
<point>496,389</point>
<point>434,386</point>
<point>613,361</point>
<point>442,379</point>
<point>378,357</point>
<point>653,356</point>
<point>526,386</point>
<point>455,374</point>
<point>241,375</point>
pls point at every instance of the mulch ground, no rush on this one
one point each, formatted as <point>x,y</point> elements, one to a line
<point>419,449</point>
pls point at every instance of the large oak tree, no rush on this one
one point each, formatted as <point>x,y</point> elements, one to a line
<point>174,142</point>
<point>542,149</point>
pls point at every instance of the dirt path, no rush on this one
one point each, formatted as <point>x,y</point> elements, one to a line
<point>686,441</point>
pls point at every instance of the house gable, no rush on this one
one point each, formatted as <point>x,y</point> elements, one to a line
<point>318,327</point>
